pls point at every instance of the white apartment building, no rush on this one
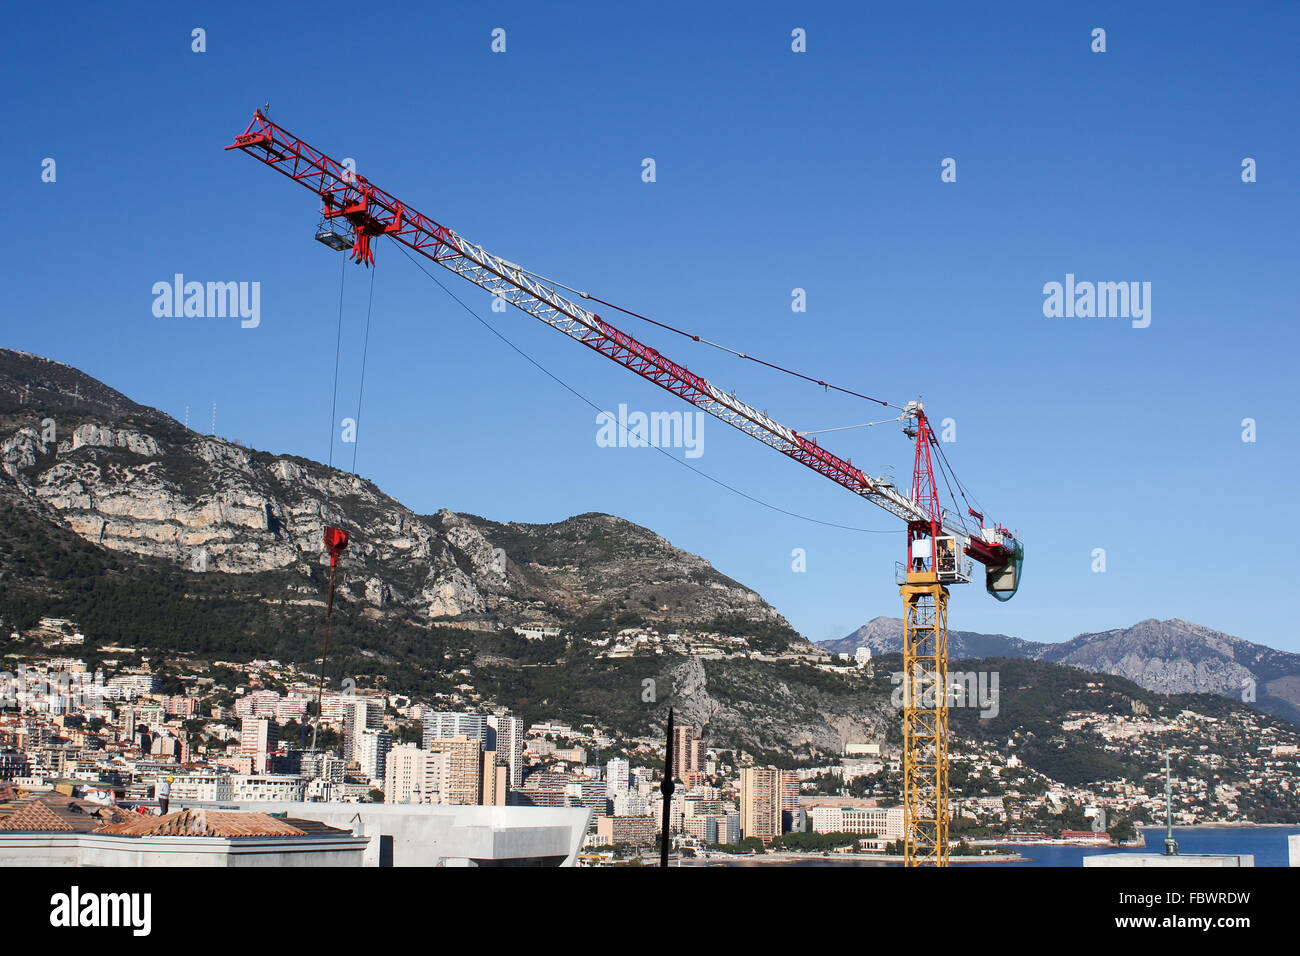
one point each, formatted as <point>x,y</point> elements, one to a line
<point>131,685</point>
<point>883,822</point>
<point>266,786</point>
<point>206,787</point>
<point>358,714</point>
<point>618,777</point>
<point>371,752</point>
<point>447,725</point>
<point>630,804</point>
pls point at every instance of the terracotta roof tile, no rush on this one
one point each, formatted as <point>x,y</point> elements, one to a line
<point>70,813</point>
<point>206,823</point>
<point>34,815</point>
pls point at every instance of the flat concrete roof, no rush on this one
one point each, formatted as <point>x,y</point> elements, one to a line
<point>441,835</point>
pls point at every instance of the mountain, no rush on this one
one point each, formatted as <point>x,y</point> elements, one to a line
<point>884,635</point>
<point>1179,657</point>
<point>135,482</point>
<point>1171,657</point>
<point>188,547</point>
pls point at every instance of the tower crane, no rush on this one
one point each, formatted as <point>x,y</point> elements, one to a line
<point>941,545</point>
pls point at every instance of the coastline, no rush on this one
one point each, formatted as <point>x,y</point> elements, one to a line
<point>775,858</point>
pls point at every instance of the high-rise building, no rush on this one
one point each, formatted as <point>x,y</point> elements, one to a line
<point>461,778</point>
<point>412,775</point>
<point>358,714</point>
<point>634,830</point>
<point>320,764</point>
<point>505,735</point>
<point>257,738</point>
<point>789,791</point>
<point>371,751</point>
<point>448,725</point>
<point>760,803</point>
<point>688,751</point>
<point>618,777</point>
<point>713,828</point>
<point>634,805</point>
<point>493,787</point>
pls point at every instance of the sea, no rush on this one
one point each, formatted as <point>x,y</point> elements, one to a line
<point>1268,844</point>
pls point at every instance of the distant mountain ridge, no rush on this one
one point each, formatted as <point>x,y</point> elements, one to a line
<point>884,635</point>
<point>1171,657</point>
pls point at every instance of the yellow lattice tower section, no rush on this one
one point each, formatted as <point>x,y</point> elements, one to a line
<point>925,720</point>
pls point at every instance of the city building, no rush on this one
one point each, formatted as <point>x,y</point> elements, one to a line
<point>689,752</point>
<point>505,735</point>
<point>637,831</point>
<point>886,823</point>
<point>761,796</point>
<point>250,787</point>
<point>412,775</point>
<point>461,773</point>
<point>202,787</point>
<point>258,736</point>
<point>371,751</point>
<point>448,725</point>
<point>358,714</point>
<point>618,777</point>
<point>494,785</point>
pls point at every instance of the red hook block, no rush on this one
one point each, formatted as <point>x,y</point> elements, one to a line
<point>336,542</point>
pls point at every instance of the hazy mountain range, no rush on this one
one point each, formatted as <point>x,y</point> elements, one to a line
<point>1171,656</point>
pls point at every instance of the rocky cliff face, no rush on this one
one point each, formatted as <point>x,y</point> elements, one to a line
<point>749,708</point>
<point>132,480</point>
<point>1173,656</point>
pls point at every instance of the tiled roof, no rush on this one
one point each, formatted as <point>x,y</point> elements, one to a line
<point>209,823</point>
<point>34,815</point>
<point>49,810</point>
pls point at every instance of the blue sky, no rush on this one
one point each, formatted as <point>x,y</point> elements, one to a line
<point>775,170</point>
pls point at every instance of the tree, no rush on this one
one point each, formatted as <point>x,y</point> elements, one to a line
<point>376,796</point>
<point>1122,830</point>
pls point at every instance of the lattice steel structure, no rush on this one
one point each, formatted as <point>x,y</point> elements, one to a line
<point>925,720</point>
<point>940,543</point>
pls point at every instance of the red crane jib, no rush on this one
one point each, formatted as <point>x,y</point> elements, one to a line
<point>374,212</point>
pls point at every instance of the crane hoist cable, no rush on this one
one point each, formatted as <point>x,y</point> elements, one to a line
<point>703,341</point>
<point>365,352</point>
<point>371,212</point>
<point>335,538</point>
<point>583,398</point>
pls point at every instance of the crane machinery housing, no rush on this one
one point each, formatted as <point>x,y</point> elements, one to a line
<point>941,545</point>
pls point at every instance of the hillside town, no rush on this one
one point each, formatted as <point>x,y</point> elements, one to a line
<point>146,738</point>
